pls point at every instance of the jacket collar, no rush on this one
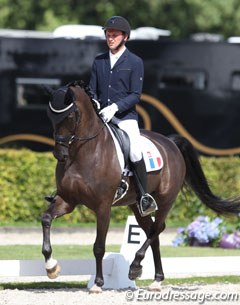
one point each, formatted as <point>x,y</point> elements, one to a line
<point>121,58</point>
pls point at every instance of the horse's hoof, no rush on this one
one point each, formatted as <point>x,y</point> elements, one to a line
<point>53,272</point>
<point>135,272</point>
<point>95,289</point>
<point>155,286</point>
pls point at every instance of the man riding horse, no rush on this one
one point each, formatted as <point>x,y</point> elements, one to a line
<point>87,172</point>
<point>116,80</point>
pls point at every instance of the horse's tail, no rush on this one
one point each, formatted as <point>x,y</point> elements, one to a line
<point>196,179</point>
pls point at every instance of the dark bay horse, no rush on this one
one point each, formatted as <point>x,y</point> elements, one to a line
<point>88,173</point>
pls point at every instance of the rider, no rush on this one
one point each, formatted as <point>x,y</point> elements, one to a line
<point>116,80</point>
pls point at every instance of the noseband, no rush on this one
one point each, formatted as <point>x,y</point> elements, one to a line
<point>64,140</point>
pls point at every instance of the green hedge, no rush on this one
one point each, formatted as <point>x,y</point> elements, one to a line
<point>26,177</point>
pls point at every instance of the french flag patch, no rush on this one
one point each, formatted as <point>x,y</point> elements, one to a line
<point>154,163</point>
<point>152,157</point>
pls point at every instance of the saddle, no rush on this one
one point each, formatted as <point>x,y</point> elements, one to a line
<point>123,140</point>
<point>124,143</point>
<point>152,158</point>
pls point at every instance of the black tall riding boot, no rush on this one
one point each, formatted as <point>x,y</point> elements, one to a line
<point>147,204</point>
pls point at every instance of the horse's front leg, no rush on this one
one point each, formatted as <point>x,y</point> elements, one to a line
<point>57,208</point>
<point>103,219</point>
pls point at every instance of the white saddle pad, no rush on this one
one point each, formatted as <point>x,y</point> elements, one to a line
<point>152,157</point>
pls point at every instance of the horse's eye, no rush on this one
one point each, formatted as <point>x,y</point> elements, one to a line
<point>71,119</point>
<point>71,116</point>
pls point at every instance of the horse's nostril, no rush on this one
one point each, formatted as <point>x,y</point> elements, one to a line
<point>60,154</point>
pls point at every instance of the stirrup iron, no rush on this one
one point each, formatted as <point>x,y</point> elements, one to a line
<point>152,206</point>
<point>121,190</point>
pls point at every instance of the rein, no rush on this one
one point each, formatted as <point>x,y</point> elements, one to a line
<point>88,138</point>
<point>63,140</point>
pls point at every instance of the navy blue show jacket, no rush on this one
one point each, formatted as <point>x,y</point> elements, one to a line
<point>121,85</point>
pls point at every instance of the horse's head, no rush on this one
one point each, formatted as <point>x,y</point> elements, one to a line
<point>64,116</point>
<point>65,112</point>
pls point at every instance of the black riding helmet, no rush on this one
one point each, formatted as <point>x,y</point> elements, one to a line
<point>117,23</point>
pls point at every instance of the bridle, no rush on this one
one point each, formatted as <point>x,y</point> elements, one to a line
<point>67,140</point>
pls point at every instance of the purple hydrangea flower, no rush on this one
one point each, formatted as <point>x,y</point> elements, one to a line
<point>202,231</point>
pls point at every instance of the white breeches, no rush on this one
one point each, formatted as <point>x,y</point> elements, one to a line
<point>132,129</point>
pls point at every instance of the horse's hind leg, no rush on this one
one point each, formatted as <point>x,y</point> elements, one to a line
<point>57,208</point>
<point>152,231</point>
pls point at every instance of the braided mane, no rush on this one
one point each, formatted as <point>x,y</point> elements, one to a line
<point>82,84</point>
<point>87,89</point>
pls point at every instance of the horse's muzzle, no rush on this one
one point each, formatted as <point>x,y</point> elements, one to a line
<point>60,152</point>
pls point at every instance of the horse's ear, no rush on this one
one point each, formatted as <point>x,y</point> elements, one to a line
<point>69,97</point>
<point>48,90</point>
